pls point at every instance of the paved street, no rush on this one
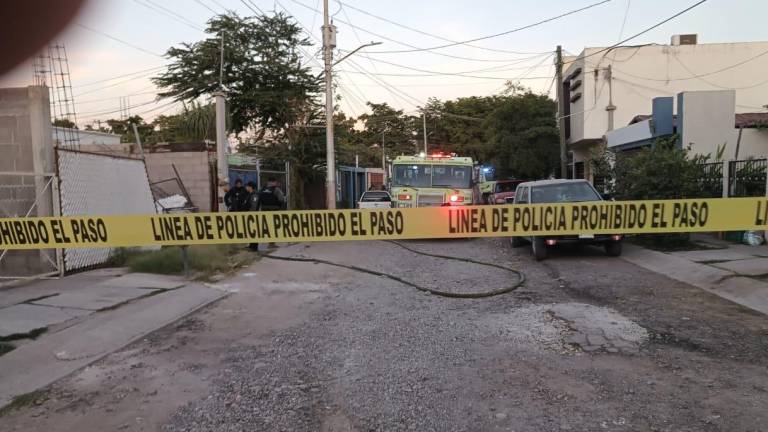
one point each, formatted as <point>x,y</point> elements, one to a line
<point>589,343</point>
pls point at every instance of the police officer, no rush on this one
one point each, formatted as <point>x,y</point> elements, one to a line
<point>236,199</point>
<point>271,198</point>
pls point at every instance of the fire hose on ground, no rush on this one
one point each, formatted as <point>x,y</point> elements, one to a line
<point>473,295</point>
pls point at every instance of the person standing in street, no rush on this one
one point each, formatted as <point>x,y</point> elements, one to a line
<point>271,197</point>
<point>252,204</point>
<point>236,199</point>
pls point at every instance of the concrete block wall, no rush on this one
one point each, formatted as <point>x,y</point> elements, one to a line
<point>193,169</point>
<point>25,146</point>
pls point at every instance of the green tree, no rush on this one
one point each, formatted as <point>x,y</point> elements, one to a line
<point>125,130</point>
<point>523,137</point>
<point>397,130</point>
<point>271,95</point>
<point>268,87</point>
<point>452,126</point>
<point>196,122</point>
<point>64,123</point>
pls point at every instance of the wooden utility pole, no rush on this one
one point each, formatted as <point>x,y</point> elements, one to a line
<point>560,111</point>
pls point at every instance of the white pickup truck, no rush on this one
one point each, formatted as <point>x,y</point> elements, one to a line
<point>375,200</point>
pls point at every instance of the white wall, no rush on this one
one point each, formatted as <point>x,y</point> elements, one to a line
<point>640,74</point>
<point>754,143</point>
<point>707,121</point>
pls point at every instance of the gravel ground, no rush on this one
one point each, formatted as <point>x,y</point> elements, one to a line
<point>381,356</point>
<point>307,347</point>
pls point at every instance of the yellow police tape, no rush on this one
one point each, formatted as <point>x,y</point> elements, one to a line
<point>609,217</point>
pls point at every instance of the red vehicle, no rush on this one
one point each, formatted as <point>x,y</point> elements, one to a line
<point>504,192</point>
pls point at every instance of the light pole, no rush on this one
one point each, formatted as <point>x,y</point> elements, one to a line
<point>329,43</point>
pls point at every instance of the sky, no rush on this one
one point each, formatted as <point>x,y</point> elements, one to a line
<point>404,80</point>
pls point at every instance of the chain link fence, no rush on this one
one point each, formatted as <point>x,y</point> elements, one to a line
<point>97,184</point>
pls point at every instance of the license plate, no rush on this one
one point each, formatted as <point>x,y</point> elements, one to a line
<point>586,236</point>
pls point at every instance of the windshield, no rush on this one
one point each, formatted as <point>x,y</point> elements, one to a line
<point>563,192</point>
<point>506,186</point>
<point>422,175</point>
<point>375,197</point>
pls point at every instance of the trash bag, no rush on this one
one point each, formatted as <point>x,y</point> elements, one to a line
<point>753,238</point>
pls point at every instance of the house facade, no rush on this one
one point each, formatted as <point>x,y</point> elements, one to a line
<point>605,89</point>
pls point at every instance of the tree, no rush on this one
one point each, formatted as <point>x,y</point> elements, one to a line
<point>523,136</point>
<point>64,123</point>
<point>453,126</point>
<point>397,130</point>
<point>125,130</point>
<point>196,122</point>
<point>270,93</point>
<point>267,85</point>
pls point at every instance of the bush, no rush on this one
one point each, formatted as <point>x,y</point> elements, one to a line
<point>661,172</point>
<point>205,259</point>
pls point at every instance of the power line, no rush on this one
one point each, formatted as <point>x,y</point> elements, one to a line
<point>120,76</point>
<point>136,47</point>
<point>413,47</point>
<point>431,34</point>
<point>525,27</point>
<point>700,78</point>
<point>216,2</point>
<point>206,6</point>
<point>695,76</point>
<point>169,13</point>
<point>621,42</point>
<point>145,75</point>
<point>440,73</point>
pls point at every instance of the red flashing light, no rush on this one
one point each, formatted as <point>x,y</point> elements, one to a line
<point>404,197</point>
<point>615,237</point>
<point>551,242</point>
<point>456,198</point>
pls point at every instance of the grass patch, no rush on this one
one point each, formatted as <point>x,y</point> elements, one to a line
<point>6,348</point>
<point>25,400</point>
<point>204,260</point>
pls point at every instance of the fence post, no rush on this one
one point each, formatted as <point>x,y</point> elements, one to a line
<point>766,176</point>
<point>726,172</point>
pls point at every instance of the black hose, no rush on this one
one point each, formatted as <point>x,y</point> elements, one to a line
<point>483,294</point>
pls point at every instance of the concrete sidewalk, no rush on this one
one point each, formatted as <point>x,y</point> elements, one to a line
<point>738,273</point>
<point>59,326</point>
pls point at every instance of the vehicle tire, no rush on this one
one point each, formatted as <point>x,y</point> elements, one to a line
<point>486,198</point>
<point>539,248</point>
<point>613,248</point>
<point>518,242</point>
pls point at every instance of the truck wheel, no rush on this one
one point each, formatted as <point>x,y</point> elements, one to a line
<point>517,242</point>
<point>613,248</point>
<point>539,248</point>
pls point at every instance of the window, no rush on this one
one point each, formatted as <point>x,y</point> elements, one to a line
<point>522,196</point>
<point>452,176</point>
<point>413,175</point>
<point>377,196</point>
<point>564,192</point>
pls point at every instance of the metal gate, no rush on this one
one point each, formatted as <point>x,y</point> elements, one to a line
<point>98,184</point>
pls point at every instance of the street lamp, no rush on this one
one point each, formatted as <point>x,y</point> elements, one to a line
<point>329,41</point>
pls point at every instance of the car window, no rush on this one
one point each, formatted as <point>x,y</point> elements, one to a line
<point>564,192</point>
<point>522,195</point>
<point>375,197</point>
<point>505,187</point>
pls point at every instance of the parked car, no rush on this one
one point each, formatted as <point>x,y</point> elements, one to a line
<point>562,191</point>
<point>504,192</point>
<point>375,199</point>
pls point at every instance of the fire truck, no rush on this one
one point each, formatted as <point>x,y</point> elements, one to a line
<point>432,180</point>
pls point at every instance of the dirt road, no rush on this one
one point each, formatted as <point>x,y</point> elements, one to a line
<point>589,343</point>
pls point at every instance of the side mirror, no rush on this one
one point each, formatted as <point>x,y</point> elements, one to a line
<point>607,197</point>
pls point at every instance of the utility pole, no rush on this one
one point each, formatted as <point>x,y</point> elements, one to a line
<point>560,110</point>
<point>221,134</point>
<point>329,43</point>
<point>383,158</point>
<point>611,107</point>
<point>424,117</point>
